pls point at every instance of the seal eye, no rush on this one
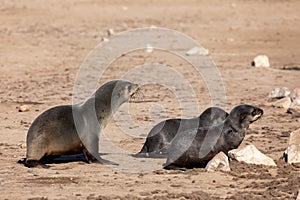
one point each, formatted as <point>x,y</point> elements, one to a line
<point>254,113</point>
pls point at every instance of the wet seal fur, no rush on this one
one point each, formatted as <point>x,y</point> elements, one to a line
<point>54,132</point>
<point>162,134</point>
<point>195,148</point>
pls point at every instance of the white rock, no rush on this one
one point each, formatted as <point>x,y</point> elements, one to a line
<point>283,103</point>
<point>149,48</point>
<point>279,93</point>
<point>22,146</point>
<point>295,96</point>
<point>293,150</point>
<point>153,26</point>
<point>104,39</point>
<point>24,108</point>
<point>261,61</point>
<point>219,162</point>
<point>294,109</point>
<point>295,105</point>
<point>110,32</point>
<point>197,51</point>
<point>250,154</point>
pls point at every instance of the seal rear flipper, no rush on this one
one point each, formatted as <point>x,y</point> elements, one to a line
<point>149,155</point>
<point>91,159</point>
<point>105,162</point>
<point>157,155</point>
<point>174,167</point>
<point>140,155</point>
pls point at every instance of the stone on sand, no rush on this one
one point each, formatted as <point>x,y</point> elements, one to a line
<point>24,108</point>
<point>294,109</point>
<point>251,155</point>
<point>278,93</point>
<point>149,48</point>
<point>219,162</point>
<point>295,99</point>
<point>282,103</point>
<point>295,95</point>
<point>197,51</point>
<point>261,61</point>
<point>110,32</point>
<point>22,146</point>
<point>292,154</point>
<point>104,39</point>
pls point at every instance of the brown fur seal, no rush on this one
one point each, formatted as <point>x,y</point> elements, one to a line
<point>194,148</point>
<point>163,133</point>
<point>74,129</point>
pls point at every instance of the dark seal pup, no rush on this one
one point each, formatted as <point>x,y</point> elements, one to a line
<point>193,148</point>
<point>162,134</point>
<point>75,129</point>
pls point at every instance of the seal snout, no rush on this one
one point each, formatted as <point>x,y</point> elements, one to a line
<point>257,113</point>
<point>133,89</point>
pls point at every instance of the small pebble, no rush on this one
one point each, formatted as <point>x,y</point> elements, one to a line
<point>197,51</point>
<point>24,108</point>
<point>104,39</point>
<point>261,61</point>
<point>110,32</point>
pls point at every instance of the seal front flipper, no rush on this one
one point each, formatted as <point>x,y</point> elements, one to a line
<point>174,167</point>
<point>96,159</point>
<point>32,163</point>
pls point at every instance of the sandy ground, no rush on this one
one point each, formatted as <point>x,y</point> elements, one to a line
<point>43,44</point>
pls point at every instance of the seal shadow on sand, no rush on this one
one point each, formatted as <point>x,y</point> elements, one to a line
<point>62,159</point>
<point>67,158</point>
<point>135,164</point>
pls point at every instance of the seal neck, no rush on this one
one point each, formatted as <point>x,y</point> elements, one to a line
<point>235,134</point>
<point>236,125</point>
